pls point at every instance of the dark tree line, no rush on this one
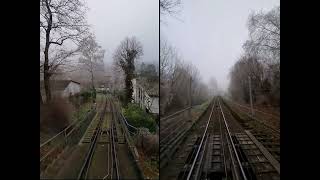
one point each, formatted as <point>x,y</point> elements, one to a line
<point>176,76</point>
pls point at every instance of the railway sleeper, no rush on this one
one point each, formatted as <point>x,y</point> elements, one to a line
<point>262,167</point>
<point>247,168</point>
<point>189,160</point>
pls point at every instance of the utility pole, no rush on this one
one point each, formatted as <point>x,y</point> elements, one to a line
<point>252,113</point>
<point>190,99</point>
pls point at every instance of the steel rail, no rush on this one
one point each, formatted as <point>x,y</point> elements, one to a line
<point>232,143</point>
<point>232,160</point>
<point>89,155</point>
<point>171,125</point>
<point>222,143</point>
<point>180,111</point>
<point>85,166</point>
<point>169,135</point>
<point>201,158</point>
<point>203,136</point>
<point>113,142</point>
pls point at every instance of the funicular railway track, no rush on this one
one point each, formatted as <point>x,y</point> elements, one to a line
<point>220,148</point>
<point>101,135</point>
<point>102,150</point>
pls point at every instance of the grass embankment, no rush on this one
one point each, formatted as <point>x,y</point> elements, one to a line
<point>79,114</point>
<point>139,118</point>
<point>197,110</point>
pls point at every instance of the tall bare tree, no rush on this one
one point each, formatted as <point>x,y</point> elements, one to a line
<point>61,22</point>
<point>91,57</point>
<point>129,50</point>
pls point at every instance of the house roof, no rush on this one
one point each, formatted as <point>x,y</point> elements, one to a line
<point>58,85</point>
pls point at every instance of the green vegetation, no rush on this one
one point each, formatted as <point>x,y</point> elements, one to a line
<point>139,118</point>
<point>81,113</point>
<point>121,95</point>
<point>81,98</point>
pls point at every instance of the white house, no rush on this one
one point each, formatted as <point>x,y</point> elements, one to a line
<point>61,88</point>
<point>147,99</point>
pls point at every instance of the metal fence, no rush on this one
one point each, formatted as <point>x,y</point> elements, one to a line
<point>71,135</point>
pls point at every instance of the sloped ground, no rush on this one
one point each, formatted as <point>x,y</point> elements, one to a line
<point>150,165</point>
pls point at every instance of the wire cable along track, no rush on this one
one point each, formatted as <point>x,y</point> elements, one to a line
<point>218,147</point>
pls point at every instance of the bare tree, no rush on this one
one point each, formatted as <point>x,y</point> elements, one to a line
<point>175,76</point>
<point>245,67</point>
<point>169,7</point>
<point>61,22</point>
<point>129,50</point>
<point>92,57</point>
<point>264,31</point>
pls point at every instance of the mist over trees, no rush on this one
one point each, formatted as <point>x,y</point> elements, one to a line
<point>177,79</point>
<point>213,86</point>
<point>260,61</point>
<point>91,59</point>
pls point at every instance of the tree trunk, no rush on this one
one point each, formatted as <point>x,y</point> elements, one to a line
<point>41,101</point>
<point>92,81</point>
<point>129,89</point>
<point>47,86</point>
<point>46,74</point>
<point>93,88</point>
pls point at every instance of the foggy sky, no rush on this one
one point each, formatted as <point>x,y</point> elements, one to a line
<point>210,33</point>
<point>113,20</point>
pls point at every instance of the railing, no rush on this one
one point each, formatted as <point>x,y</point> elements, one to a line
<point>71,135</point>
<point>128,136</point>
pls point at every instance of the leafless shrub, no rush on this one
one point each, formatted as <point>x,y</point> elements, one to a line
<point>149,144</point>
<point>56,115</point>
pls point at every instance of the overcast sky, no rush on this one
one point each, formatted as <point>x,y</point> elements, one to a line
<point>113,20</point>
<point>210,33</point>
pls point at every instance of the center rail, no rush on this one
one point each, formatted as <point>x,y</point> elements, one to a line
<point>113,144</point>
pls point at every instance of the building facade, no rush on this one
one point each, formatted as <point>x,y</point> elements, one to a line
<point>146,100</point>
<point>61,88</point>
